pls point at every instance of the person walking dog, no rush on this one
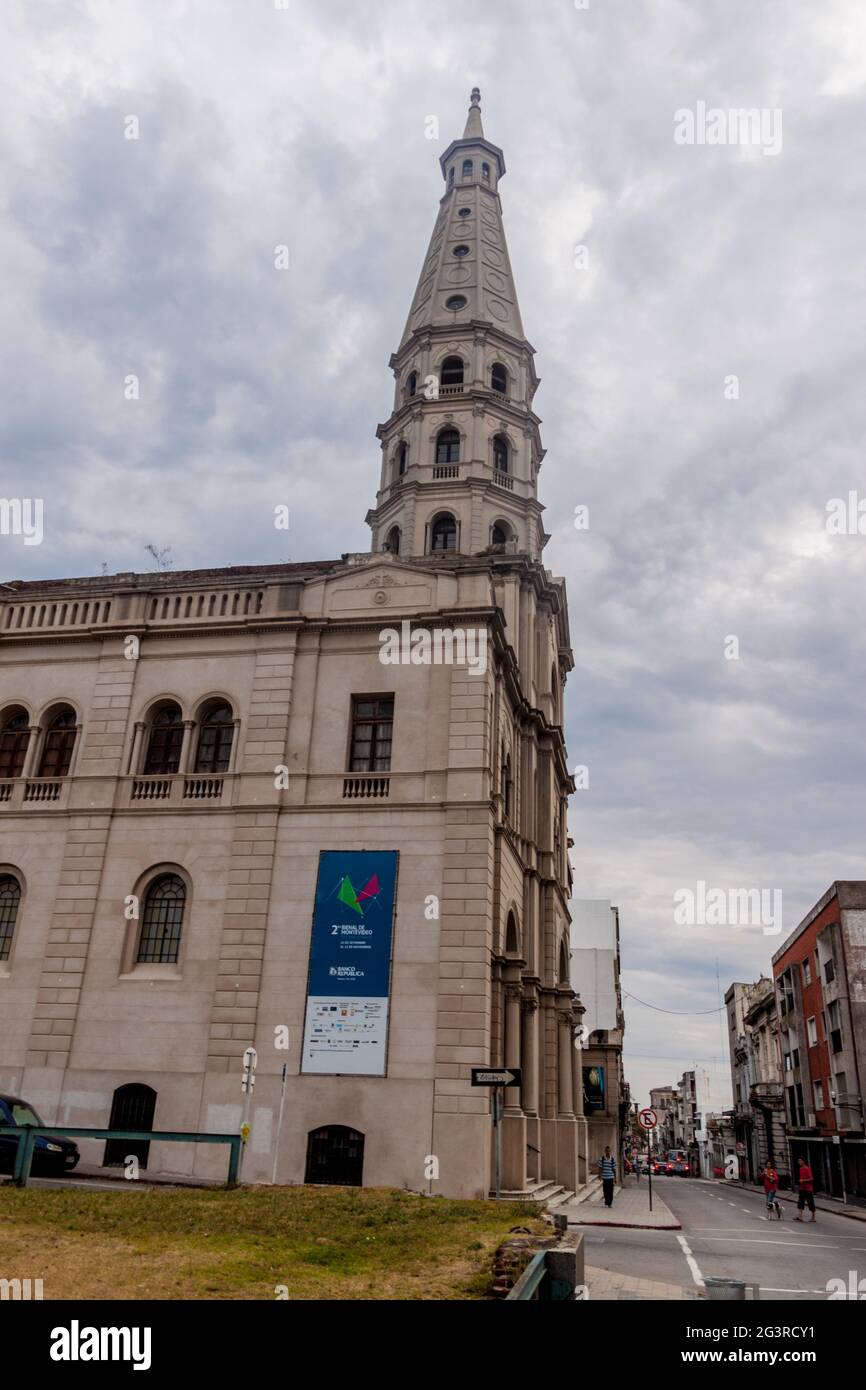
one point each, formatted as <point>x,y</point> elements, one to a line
<point>807,1191</point>
<point>607,1169</point>
<point>770,1179</point>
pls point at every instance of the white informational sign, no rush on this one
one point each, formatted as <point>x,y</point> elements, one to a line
<point>346,1035</point>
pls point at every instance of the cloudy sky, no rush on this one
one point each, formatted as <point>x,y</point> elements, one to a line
<point>307,126</point>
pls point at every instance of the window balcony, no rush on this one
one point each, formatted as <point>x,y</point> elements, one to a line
<point>366,787</point>
<point>39,793</point>
<point>178,789</point>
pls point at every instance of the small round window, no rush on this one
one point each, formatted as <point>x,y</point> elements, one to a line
<point>464,212</point>
<point>461,251</point>
<point>457,301</point>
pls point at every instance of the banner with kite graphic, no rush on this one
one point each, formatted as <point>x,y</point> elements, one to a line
<point>346,1024</point>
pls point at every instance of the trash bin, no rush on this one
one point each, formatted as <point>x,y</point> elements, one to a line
<point>726,1289</point>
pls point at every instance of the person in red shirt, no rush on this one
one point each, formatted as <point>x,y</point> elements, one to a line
<point>771,1186</point>
<point>807,1191</point>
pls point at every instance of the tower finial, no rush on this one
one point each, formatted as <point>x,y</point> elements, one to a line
<point>474,129</point>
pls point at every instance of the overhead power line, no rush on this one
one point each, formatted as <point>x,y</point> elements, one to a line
<point>681,1013</point>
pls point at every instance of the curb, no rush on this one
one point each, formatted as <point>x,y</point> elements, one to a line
<point>627,1225</point>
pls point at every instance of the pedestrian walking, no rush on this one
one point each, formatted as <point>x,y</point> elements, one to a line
<point>607,1169</point>
<point>770,1180</point>
<point>807,1191</point>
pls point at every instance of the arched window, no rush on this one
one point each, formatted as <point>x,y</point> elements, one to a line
<point>411,383</point>
<point>512,937</point>
<point>443,533</point>
<point>10,901</point>
<point>451,177</point>
<point>555,691</point>
<point>506,787</point>
<point>499,378</point>
<point>162,922</point>
<point>215,740</point>
<point>452,372</point>
<point>485,172</point>
<point>448,447</point>
<point>500,453</point>
<point>58,746</point>
<point>165,742</point>
<point>14,738</point>
<point>467,168</point>
<point>402,458</point>
<point>393,541</point>
<point>564,971</point>
<point>501,533</point>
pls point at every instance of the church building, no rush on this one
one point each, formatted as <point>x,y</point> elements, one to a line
<point>316,809</point>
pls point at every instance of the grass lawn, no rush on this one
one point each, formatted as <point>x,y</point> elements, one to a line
<point>338,1242</point>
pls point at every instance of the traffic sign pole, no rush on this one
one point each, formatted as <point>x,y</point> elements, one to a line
<point>495,1097</point>
<point>497,1078</point>
<point>649,1119</point>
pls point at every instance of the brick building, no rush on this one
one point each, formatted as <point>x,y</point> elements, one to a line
<point>820,980</point>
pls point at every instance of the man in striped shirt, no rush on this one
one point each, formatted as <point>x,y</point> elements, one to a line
<point>607,1169</point>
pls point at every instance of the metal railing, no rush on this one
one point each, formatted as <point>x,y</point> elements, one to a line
<point>29,1134</point>
<point>552,1276</point>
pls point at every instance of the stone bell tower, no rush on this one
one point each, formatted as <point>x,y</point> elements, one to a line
<point>461,451</point>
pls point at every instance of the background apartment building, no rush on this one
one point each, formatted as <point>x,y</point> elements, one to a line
<point>820,981</point>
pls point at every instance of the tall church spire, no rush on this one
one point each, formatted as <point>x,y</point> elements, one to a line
<point>461,450</point>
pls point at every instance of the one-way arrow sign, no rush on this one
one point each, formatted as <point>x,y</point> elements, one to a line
<point>496,1076</point>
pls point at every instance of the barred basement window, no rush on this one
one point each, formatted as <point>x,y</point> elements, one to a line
<point>163,919</point>
<point>372,733</point>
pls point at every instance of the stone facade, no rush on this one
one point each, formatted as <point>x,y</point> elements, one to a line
<point>95,672</point>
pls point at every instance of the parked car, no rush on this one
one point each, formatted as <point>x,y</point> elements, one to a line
<point>52,1153</point>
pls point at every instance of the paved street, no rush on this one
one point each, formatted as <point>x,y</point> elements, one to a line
<point>725,1232</point>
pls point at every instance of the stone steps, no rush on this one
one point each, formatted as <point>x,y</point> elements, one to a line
<point>548,1194</point>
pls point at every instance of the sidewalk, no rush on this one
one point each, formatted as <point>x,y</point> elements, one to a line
<point>604,1286</point>
<point>630,1208</point>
